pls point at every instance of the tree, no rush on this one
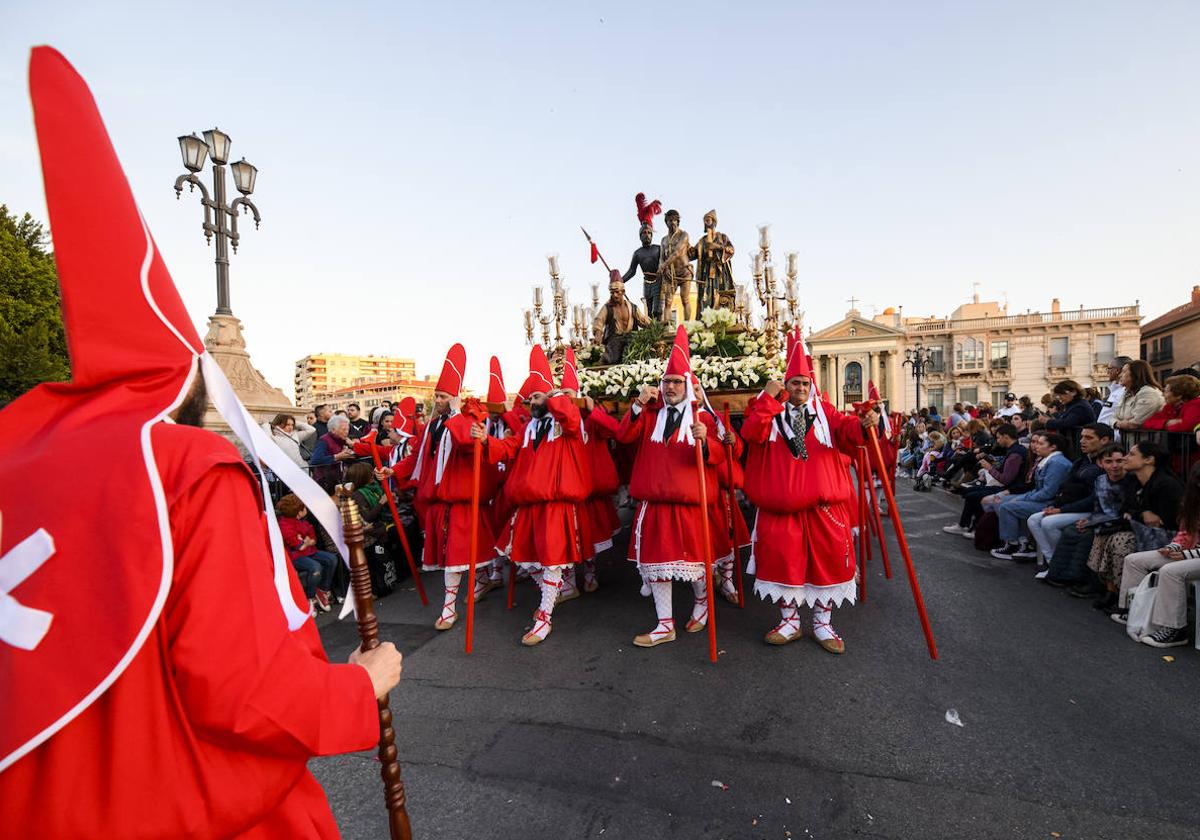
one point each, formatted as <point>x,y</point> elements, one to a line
<point>33,346</point>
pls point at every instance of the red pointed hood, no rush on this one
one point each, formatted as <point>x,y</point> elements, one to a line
<point>495,392</point>
<point>406,416</point>
<point>799,363</point>
<point>872,391</point>
<point>540,376</point>
<point>679,363</point>
<point>570,374</point>
<point>451,379</point>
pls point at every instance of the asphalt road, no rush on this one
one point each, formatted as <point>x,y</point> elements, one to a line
<point>1069,729</point>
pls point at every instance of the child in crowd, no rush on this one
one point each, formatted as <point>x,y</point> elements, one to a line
<point>300,539</point>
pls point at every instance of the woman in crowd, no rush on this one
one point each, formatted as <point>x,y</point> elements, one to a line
<point>998,473</point>
<point>1142,396</point>
<point>939,449</point>
<point>1150,515</point>
<point>368,495</point>
<point>1074,412</point>
<point>296,439</point>
<point>1181,406</point>
<point>1028,411</point>
<point>1178,565</point>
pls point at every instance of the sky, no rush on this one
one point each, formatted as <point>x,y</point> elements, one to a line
<point>418,161</point>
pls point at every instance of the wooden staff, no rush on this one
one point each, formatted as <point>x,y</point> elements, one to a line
<point>876,519</point>
<point>368,631</point>
<point>737,556</point>
<point>708,557</point>
<point>474,544</point>
<point>864,539</point>
<point>904,552</point>
<point>408,555</point>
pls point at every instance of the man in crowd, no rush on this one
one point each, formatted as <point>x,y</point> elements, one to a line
<point>1068,563</point>
<point>548,482</point>
<point>358,423</point>
<point>177,715</point>
<point>803,549</point>
<point>322,413</point>
<point>667,543</point>
<point>1010,408</point>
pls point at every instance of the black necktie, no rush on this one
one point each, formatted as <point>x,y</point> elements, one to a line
<point>540,432</point>
<point>799,430</point>
<point>435,434</point>
<point>673,418</point>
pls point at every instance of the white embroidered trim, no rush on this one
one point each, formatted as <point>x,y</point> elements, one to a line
<point>808,593</point>
<point>677,569</point>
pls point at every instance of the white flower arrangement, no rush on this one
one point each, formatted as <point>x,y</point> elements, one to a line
<point>715,373</point>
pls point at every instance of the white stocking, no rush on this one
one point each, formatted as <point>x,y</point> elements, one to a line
<point>822,628</point>
<point>496,567</point>
<point>700,602</point>
<point>661,590</point>
<point>789,627</point>
<point>448,606</point>
<point>568,579</point>
<point>551,582</point>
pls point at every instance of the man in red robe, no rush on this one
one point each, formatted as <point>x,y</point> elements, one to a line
<point>668,424</point>
<point>179,688</point>
<point>802,547</point>
<point>501,421</point>
<point>547,482</point>
<point>443,466</point>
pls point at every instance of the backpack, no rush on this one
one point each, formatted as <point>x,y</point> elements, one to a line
<point>987,531</point>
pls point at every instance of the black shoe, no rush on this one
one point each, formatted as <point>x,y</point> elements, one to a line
<point>1167,637</point>
<point>1057,584</point>
<point>1008,552</point>
<point>1106,602</point>
<point>1082,590</point>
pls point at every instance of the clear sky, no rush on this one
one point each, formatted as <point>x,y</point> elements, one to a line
<point>418,161</point>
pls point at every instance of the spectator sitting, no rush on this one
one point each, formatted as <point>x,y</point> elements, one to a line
<point>937,449</point>
<point>1023,428</point>
<point>1068,563</point>
<point>1150,515</point>
<point>358,423</point>
<point>300,539</point>
<point>329,453</point>
<point>997,472</point>
<point>1115,390</point>
<point>1142,396</point>
<point>1074,412</point>
<point>294,438</point>
<point>1075,496</point>
<point>368,495</point>
<point>1178,564</point>
<point>1010,407</point>
<point>1181,406</point>
<point>321,424</point>
<point>958,415</point>
<point>1048,476</point>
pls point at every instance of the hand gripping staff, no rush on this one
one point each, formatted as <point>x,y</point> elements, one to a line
<point>408,555</point>
<point>904,552</point>
<point>368,631</point>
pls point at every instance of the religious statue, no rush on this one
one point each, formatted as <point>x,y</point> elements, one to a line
<point>714,274</point>
<point>616,320</point>
<point>647,258</point>
<point>675,267</point>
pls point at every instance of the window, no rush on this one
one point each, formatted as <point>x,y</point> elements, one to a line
<point>1106,348</point>
<point>968,354</point>
<point>937,359</point>
<point>1060,352</point>
<point>1142,355</point>
<point>999,355</point>
<point>998,393</point>
<point>1165,349</point>
<point>853,382</point>
<point>934,396</point>
<point>970,395</point>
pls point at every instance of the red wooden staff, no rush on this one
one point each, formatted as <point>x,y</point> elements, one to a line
<point>876,520</point>
<point>368,632</point>
<point>408,555</point>
<point>864,537</point>
<point>708,558</point>
<point>737,558</point>
<point>904,552</point>
<point>474,544</point>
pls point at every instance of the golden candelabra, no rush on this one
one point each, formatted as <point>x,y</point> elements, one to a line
<point>558,314</point>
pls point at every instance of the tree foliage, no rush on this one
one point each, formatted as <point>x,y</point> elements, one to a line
<point>33,347</point>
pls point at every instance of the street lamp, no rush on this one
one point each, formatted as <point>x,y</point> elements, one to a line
<point>919,359</point>
<point>220,218</point>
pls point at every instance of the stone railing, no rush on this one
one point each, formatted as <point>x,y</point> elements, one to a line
<point>943,325</point>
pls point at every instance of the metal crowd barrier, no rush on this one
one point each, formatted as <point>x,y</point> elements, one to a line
<point>1182,446</point>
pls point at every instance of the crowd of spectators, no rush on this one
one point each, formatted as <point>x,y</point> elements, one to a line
<point>1087,489</point>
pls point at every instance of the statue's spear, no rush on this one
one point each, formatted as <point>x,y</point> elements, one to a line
<point>596,255</point>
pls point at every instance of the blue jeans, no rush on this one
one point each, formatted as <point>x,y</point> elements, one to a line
<point>1013,513</point>
<point>320,566</point>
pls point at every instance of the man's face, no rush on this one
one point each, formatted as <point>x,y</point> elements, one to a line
<point>1089,441</point>
<point>710,222</point>
<point>1005,441</point>
<point>674,389</point>
<point>672,223</point>
<point>616,294</point>
<point>647,236</point>
<point>798,389</point>
<point>441,403</point>
<point>1009,403</point>
<point>1114,373</point>
<point>1038,444</point>
<point>537,403</point>
<point>352,412</point>
<point>1019,422</point>
<point>324,414</point>
<point>1114,466</point>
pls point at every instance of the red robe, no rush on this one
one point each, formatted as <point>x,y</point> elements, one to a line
<point>802,548</point>
<point>501,509</point>
<point>208,731</point>
<point>667,540</point>
<point>445,506</point>
<point>599,514</point>
<point>731,511</point>
<point>547,486</point>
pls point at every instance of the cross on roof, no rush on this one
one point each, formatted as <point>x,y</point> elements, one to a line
<point>853,301</point>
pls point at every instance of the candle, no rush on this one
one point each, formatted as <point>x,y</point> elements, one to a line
<point>758,262</point>
<point>595,294</point>
<point>553,260</point>
<point>770,271</point>
<point>791,289</point>
<point>793,261</point>
<point>528,320</point>
<point>537,296</point>
<point>764,236</point>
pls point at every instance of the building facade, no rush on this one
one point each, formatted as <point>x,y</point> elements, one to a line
<point>370,394</point>
<point>324,373</point>
<point>1172,340</point>
<point>977,354</point>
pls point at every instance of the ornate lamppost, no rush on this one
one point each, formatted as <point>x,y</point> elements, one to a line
<point>220,219</point>
<point>919,360</point>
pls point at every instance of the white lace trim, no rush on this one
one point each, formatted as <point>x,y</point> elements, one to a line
<point>676,569</point>
<point>808,593</point>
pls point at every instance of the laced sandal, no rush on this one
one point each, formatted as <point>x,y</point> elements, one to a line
<point>485,585</point>
<point>449,614</point>
<point>590,582</point>
<point>664,632</point>
<point>541,629</point>
<point>728,590</point>
<point>786,631</point>
<point>834,644</point>
<point>695,625</point>
<point>566,593</point>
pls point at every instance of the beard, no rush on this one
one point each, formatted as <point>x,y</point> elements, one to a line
<point>538,411</point>
<point>191,412</point>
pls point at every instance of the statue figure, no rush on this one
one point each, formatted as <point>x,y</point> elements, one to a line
<point>675,267</point>
<point>714,273</point>
<point>616,320</point>
<point>647,258</point>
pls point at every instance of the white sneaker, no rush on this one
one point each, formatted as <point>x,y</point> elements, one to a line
<point>970,535</point>
<point>1042,574</point>
<point>954,529</point>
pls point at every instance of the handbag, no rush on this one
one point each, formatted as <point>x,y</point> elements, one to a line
<point>1149,538</point>
<point>384,574</point>
<point>1141,603</point>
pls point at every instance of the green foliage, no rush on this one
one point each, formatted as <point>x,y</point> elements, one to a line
<point>33,347</point>
<point>649,342</point>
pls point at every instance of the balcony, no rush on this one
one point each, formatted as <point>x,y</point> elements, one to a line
<point>945,325</point>
<point>1162,357</point>
<point>1059,362</point>
<point>1104,359</point>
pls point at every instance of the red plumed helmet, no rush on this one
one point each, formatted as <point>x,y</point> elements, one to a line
<point>647,212</point>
